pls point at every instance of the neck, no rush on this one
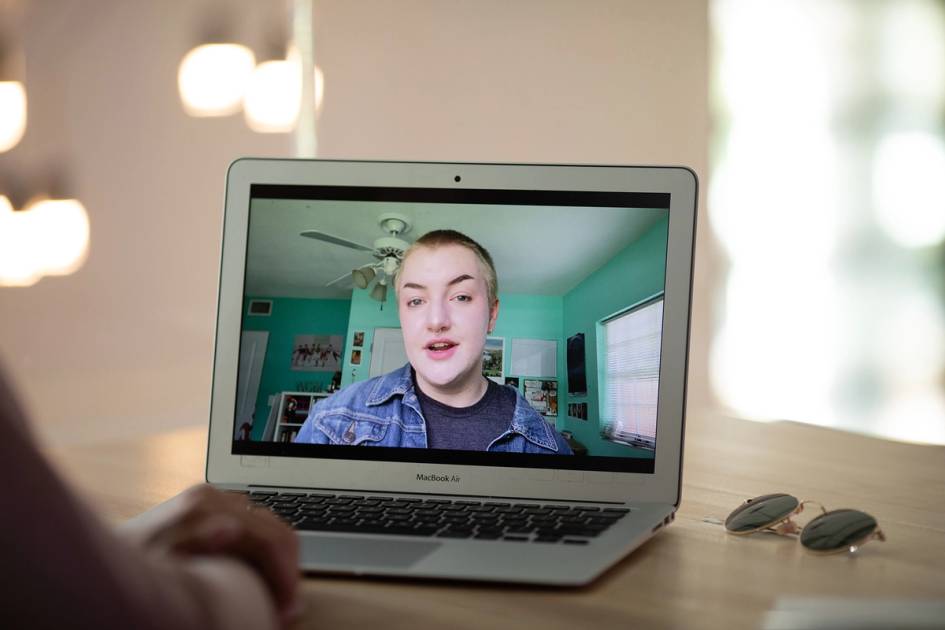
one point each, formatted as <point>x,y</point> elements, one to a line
<point>463,394</point>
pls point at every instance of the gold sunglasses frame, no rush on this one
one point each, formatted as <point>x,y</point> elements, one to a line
<point>786,526</point>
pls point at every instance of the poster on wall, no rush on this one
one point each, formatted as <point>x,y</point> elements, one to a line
<point>537,357</point>
<point>542,396</point>
<point>493,355</point>
<point>316,353</point>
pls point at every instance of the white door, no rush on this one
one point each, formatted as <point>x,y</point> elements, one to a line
<point>252,354</point>
<point>387,351</point>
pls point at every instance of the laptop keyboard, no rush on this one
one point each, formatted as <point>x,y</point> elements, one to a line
<point>441,518</point>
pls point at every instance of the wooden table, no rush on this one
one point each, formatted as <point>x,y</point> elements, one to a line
<point>691,575</point>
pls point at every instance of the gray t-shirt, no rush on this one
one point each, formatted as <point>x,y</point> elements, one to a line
<point>468,428</point>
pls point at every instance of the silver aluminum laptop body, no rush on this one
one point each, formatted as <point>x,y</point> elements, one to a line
<point>556,192</point>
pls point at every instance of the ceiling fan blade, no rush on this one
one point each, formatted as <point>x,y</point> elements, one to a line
<point>340,279</point>
<point>328,238</point>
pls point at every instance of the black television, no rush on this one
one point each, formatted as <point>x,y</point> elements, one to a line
<point>577,373</point>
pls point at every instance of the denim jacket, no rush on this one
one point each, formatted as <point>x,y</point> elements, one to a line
<point>384,411</point>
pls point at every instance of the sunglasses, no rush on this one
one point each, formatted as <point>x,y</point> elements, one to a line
<point>830,532</point>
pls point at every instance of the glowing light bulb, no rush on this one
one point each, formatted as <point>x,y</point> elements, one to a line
<point>63,227</point>
<point>212,78</point>
<point>48,237</point>
<point>18,266</point>
<point>274,96</point>
<point>12,114</point>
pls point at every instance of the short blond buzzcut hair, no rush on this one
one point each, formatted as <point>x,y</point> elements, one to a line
<point>439,238</point>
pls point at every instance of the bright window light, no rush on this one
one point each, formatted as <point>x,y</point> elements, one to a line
<point>12,114</point>
<point>212,79</point>
<point>825,197</point>
<point>908,193</point>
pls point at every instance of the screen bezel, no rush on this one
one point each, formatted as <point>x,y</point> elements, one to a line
<point>512,475</point>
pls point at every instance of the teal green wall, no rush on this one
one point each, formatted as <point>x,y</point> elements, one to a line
<point>291,317</point>
<point>366,315</point>
<point>633,275</point>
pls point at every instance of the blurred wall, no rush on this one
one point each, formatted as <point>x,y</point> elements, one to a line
<point>124,345</point>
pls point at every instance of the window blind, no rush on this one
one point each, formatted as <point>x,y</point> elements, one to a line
<point>631,375</point>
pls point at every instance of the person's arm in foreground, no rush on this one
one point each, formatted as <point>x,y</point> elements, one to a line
<point>202,561</point>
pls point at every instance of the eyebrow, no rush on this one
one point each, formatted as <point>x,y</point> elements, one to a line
<point>456,280</point>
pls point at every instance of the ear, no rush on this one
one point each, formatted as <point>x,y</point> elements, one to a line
<point>493,315</point>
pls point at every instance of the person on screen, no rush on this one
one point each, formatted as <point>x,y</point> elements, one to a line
<point>447,301</point>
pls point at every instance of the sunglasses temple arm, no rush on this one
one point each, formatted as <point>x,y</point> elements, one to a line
<point>800,507</point>
<point>787,527</point>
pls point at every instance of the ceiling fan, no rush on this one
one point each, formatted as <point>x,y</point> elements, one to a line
<point>388,250</point>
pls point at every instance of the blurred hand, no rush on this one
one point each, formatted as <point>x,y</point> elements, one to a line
<point>205,521</point>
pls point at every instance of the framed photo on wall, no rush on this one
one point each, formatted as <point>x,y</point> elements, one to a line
<point>493,359</point>
<point>542,395</point>
<point>316,353</point>
<point>358,339</point>
<point>356,357</point>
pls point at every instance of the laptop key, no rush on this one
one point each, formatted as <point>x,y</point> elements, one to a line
<point>313,513</point>
<point>454,534</point>
<point>520,530</point>
<point>311,500</point>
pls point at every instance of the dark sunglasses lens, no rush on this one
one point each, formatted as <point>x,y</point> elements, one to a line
<point>837,530</point>
<point>760,512</point>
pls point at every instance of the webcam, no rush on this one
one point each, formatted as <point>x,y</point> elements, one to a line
<point>457,179</point>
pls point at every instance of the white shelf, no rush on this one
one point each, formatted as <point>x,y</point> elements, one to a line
<point>283,420</point>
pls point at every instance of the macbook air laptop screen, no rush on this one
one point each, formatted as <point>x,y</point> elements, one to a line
<point>482,327</point>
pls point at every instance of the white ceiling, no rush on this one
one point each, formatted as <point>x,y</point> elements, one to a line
<point>537,250</point>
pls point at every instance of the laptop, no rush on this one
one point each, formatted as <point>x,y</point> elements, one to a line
<point>339,337</point>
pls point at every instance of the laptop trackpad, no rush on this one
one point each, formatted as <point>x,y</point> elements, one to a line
<point>363,552</point>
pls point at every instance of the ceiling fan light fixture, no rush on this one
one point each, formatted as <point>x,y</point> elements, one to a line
<point>390,265</point>
<point>362,277</point>
<point>379,292</point>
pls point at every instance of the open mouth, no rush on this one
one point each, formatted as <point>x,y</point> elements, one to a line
<point>441,348</point>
